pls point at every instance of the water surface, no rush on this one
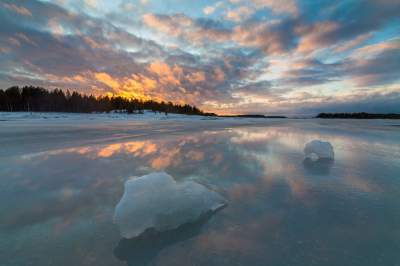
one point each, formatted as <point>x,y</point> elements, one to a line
<point>57,204</point>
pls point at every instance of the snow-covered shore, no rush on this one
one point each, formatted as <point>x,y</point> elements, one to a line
<point>112,116</point>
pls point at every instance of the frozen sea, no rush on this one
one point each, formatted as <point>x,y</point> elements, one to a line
<point>63,174</point>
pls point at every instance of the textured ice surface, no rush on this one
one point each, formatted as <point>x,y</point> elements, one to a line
<point>157,201</point>
<point>318,149</point>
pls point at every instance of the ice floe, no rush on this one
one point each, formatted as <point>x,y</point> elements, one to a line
<point>156,201</point>
<point>318,149</point>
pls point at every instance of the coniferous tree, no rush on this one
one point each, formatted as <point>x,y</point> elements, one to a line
<point>38,99</point>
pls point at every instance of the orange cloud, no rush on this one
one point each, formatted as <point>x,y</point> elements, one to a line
<point>160,68</point>
<point>135,86</point>
<point>196,77</point>
<point>107,80</point>
<point>166,73</point>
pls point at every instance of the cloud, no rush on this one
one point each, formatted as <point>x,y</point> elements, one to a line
<point>208,10</point>
<point>282,6</point>
<point>107,80</point>
<point>342,47</point>
<point>278,7</point>
<point>374,101</point>
<point>239,14</point>
<point>381,69</point>
<point>309,72</point>
<point>315,36</point>
<point>173,25</point>
<point>18,9</point>
<point>270,37</point>
<point>349,22</point>
<point>183,27</point>
<point>91,3</point>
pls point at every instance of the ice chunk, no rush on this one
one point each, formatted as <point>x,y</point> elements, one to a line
<point>156,201</point>
<point>318,149</point>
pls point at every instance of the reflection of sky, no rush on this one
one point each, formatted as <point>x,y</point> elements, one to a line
<point>225,56</point>
<point>281,211</point>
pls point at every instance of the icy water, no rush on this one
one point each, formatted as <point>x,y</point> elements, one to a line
<point>57,203</point>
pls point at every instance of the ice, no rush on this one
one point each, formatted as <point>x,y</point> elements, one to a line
<point>156,201</point>
<point>141,250</point>
<point>318,149</point>
<point>24,133</point>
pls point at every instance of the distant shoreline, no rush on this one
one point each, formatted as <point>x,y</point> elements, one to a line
<point>357,116</point>
<point>254,116</point>
<point>211,115</point>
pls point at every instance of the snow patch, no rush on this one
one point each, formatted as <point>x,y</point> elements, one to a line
<point>157,201</point>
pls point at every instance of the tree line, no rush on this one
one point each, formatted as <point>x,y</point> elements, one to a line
<point>362,115</point>
<point>38,99</point>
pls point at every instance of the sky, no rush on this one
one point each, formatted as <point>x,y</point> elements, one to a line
<point>228,57</point>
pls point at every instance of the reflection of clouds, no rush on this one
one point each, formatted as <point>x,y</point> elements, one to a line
<point>142,249</point>
<point>243,191</point>
<point>245,235</point>
<point>233,244</point>
<point>282,156</point>
<point>163,153</point>
<point>359,183</point>
<point>283,135</point>
<point>286,207</point>
<point>165,158</point>
<point>275,201</point>
<point>136,148</point>
<point>245,161</point>
<point>64,183</point>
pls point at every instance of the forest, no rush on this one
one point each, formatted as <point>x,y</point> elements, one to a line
<point>38,99</point>
<point>361,115</point>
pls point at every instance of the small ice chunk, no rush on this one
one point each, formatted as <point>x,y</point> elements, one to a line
<point>157,201</point>
<point>318,149</point>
